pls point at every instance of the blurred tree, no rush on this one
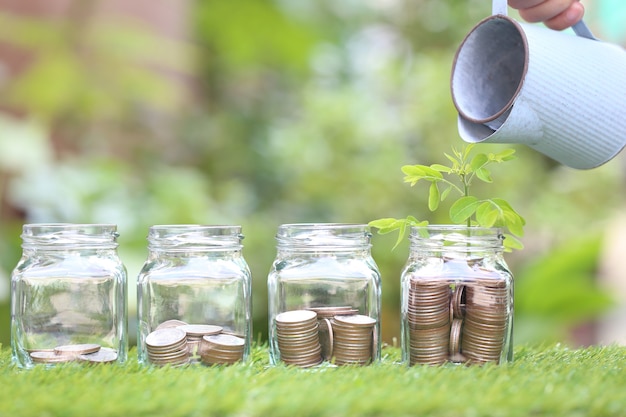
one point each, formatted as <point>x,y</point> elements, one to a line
<point>301,112</point>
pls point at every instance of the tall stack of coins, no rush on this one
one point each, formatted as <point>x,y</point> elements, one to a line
<point>458,323</point>
<point>428,317</point>
<point>298,338</point>
<point>486,320</point>
<point>167,346</point>
<point>85,352</point>
<point>223,349</point>
<point>353,339</point>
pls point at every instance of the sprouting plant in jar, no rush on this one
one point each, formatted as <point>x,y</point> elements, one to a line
<point>468,209</point>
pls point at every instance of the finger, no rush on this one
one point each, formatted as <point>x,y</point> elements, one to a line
<point>524,4</point>
<point>546,10</point>
<point>568,18</point>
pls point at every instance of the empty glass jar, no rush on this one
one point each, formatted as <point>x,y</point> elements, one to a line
<point>457,297</point>
<point>324,296</point>
<point>194,297</point>
<point>68,296</point>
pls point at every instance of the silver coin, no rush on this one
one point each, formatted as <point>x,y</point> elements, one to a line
<point>104,355</point>
<point>165,337</point>
<point>77,349</point>
<point>170,323</point>
<point>199,330</point>
<point>50,357</point>
<point>356,320</point>
<point>295,316</point>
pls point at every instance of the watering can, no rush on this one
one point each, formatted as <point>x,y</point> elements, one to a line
<point>561,94</point>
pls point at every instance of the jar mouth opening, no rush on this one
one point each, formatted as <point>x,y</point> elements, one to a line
<point>457,236</point>
<point>323,236</point>
<point>64,235</point>
<point>194,237</point>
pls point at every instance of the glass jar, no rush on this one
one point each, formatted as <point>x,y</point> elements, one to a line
<point>68,296</point>
<point>457,297</point>
<point>324,296</point>
<point>194,297</point>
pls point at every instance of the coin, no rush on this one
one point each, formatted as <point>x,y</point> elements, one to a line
<point>170,323</point>
<point>50,357</point>
<point>78,349</point>
<point>295,317</point>
<point>357,320</point>
<point>104,355</point>
<point>165,337</point>
<point>200,329</point>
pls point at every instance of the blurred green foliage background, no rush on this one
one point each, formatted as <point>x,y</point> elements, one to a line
<point>267,112</point>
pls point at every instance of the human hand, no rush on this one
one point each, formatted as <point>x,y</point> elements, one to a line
<point>555,14</point>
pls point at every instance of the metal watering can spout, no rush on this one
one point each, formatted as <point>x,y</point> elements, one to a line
<point>560,94</point>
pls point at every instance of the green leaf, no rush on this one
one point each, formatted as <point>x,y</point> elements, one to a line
<point>463,209</point>
<point>505,155</point>
<point>479,161</point>
<point>433,197</point>
<point>385,225</point>
<point>486,215</point>
<point>415,170</point>
<point>445,193</point>
<point>511,242</point>
<point>484,174</point>
<point>441,168</point>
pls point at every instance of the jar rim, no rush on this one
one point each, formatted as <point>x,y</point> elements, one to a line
<point>457,236</point>
<point>326,236</point>
<point>64,235</point>
<point>200,237</point>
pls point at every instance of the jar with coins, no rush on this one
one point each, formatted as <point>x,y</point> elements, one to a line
<point>68,296</point>
<point>324,296</point>
<point>194,297</point>
<point>457,297</point>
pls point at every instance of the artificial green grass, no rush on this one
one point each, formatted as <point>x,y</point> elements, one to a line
<point>550,381</point>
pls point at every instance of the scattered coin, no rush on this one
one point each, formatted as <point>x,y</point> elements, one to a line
<point>50,357</point>
<point>104,355</point>
<point>75,350</point>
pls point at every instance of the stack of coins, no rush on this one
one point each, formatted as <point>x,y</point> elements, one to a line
<point>167,346</point>
<point>324,316</point>
<point>353,339</point>
<point>195,333</point>
<point>298,340</point>
<point>486,321</point>
<point>49,357</point>
<point>428,317</point>
<point>88,352</point>
<point>222,349</point>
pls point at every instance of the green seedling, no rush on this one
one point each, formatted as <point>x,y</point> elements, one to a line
<point>457,179</point>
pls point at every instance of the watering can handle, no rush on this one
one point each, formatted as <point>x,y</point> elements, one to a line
<point>580,28</point>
